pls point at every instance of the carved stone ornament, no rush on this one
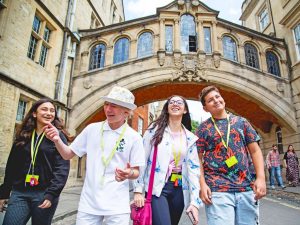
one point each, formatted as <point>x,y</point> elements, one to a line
<point>280,87</point>
<point>189,69</point>
<point>161,57</point>
<point>87,84</point>
<point>217,59</point>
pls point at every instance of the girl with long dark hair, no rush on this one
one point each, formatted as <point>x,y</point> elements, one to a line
<point>176,179</point>
<point>292,166</point>
<point>35,172</point>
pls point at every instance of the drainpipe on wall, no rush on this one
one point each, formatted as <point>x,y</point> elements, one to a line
<point>59,85</point>
<point>275,35</point>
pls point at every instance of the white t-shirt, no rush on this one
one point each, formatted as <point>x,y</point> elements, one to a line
<point>112,197</point>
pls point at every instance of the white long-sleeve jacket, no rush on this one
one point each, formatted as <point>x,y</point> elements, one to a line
<point>190,167</point>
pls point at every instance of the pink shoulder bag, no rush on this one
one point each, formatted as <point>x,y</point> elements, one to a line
<point>143,215</point>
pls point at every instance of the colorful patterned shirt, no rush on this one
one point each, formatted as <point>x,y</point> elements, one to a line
<point>218,176</point>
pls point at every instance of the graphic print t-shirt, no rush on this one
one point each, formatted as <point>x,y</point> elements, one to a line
<point>218,176</point>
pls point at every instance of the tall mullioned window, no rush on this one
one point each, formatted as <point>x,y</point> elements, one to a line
<point>207,40</point>
<point>188,34</point>
<point>264,19</point>
<point>251,55</point>
<point>169,38</point>
<point>229,48</point>
<point>273,63</point>
<point>97,57</point>
<point>145,44</point>
<point>121,50</point>
<point>39,42</point>
<point>297,39</point>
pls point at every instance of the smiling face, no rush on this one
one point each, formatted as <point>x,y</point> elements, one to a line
<point>44,114</point>
<point>214,103</point>
<point>115,114</point>
<point>176,107</point>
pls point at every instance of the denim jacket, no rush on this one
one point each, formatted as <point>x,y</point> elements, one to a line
<point>190,167</point>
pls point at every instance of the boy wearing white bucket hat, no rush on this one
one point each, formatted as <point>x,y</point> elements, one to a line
<point>114,154</point>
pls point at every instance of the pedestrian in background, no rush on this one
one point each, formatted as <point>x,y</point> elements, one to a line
<point>292,166</point>
<point>176,179</point>
<point>114,152</point>
<point>35,172</point>
<point>273,163</point>
<point>226,143</point>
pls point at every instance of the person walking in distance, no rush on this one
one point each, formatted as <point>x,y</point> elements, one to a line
<point>176,180</point>
<point>35,172</point>
<point>114,154</point>
<point>292,166</point>
<point>273,163</point>
<point>227,144</point>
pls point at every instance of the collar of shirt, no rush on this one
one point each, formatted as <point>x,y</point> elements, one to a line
<point>106,127</point>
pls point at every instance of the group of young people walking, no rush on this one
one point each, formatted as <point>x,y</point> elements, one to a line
<point>221,165</point>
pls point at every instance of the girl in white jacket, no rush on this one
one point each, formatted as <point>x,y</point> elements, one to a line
<point>176,179</point>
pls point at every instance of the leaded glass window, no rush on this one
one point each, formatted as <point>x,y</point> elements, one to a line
<point>188,34</point>
<point>297,38</point>
<point>229,48</point>
<point>32,47</point>
<point>121,50</point>
<point>207,40</point>
<point>169,38</point>
<point>272,63</point>
<point>145,43</point>
<point>263,19</point>
<point>251,56</point>
<point>97,57</point>
<point>21,110</point>
<point>36,24</point>
<point>47,33</point>
<point>43,55</point>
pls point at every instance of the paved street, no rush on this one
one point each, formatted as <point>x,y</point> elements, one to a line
<point>278,208</point>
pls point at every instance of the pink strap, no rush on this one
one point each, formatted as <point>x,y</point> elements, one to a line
<point>151,181</point>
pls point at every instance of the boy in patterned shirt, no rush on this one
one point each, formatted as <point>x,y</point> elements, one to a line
<point>227,147</point>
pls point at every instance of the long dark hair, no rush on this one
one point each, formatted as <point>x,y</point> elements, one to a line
<point>292,150</point>
<point>162,121</point>
<point>29,123</point>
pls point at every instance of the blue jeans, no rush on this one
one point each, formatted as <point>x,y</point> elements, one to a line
<point>276,172</point>
<point>24,204</point>
<point>168,207</point>
<point>237,208</point>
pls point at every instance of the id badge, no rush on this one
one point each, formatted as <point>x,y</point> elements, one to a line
<point>175,177</point>
<point>30,176</point>
<point>231,161</point>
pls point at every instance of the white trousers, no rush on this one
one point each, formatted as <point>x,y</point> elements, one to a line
<point>90,219</point>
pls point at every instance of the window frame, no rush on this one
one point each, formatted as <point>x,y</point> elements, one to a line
<point>23,108</point>
<point>249,60</point>
<point>207,48</point>
<point>102,59</point>
<point>296,32</point>
<point>264,18</point>
<point>273,64</point>
<point>140,53</point>
<point>186,36</point>
<point>233,49</point>
<point>128,50</point>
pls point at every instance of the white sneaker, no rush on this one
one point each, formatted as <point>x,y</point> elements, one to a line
<point>273,187</point>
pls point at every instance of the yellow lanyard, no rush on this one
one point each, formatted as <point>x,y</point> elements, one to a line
<point>34,148</point>
<point>178,154</point>
<point>107,160</point>
<point>228,131</point>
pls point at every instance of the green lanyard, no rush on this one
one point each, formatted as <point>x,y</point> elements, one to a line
<point>228,131</point>
<point>107,160</point>
<point>176,156</point>
<point>34,148</point>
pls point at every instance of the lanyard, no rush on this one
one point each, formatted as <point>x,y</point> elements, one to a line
<point>35,147</point>
<point>107,160</point>
<point>176,156</point>
<point>228,131</point>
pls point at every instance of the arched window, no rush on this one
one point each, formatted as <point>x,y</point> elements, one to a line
<point>251,56</point>
<point>121,50</point>
<point>188,34</point>
<point>97,57</point>
<point>272,63</point>
<point>145,43</point>
<point>229,48</point>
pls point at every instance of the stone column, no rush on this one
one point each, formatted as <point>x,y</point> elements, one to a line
<point>200,35</point>
<point>215,47</point>
<point>132,49</point>
<point>109,56</point>
<point>176,35</point>
<point>241,54</point>
<point>84,61</point>
<point>162,34</point>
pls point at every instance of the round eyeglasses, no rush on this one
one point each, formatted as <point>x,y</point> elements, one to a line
<point>176,102</point>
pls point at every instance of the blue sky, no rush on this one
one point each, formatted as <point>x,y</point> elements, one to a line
<point>228,9</point>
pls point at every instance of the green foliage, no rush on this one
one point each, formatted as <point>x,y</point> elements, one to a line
<point>195,125</point>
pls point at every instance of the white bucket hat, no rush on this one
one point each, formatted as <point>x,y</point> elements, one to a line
<point>120,96</point>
